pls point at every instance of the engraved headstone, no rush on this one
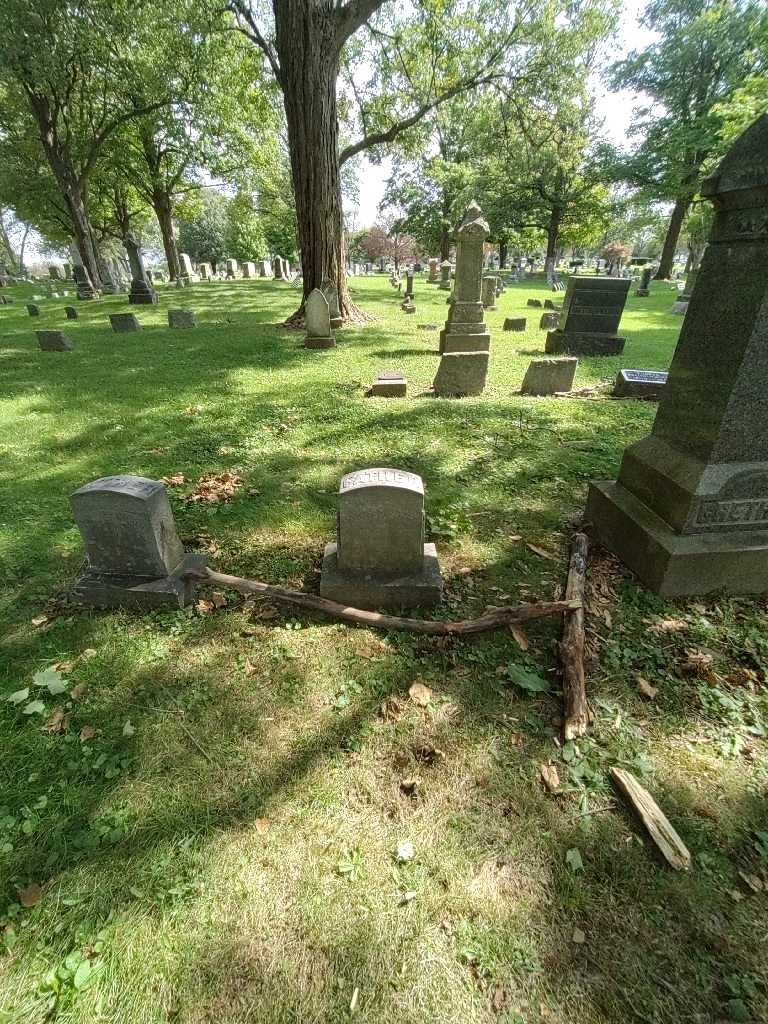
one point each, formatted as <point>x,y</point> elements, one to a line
<point>141,292</point>
<point>331,293</point>
<point>205,271</point>
<point>549,321</point>
<point>647,384</point>
<point>249,269</point>
<point>549,376</point>
<point>380,559</point>
<point>135,557</point>
<point>317,318</point>
<point>489,293</point>
<point>186,270</point>
<point>590,318</point>
<point>460,374</point>
<point>231,269</point>
<point>178,318</point>
<point>85,289</point>
<point>53,341</point>
<point>465,329</point>
<point>644,288</point>
<point>434,271</point>
<point>689,511</point>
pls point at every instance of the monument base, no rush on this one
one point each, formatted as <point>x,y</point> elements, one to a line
<point>365,590</point>
<point>583,344</point>
<point>450,342</point>
<point>673,564</point>
<point>460,374</point>
<point>680,307</point>
<point>106,590</point>
<point>329,342</point>
<point>336,323</point>
<point>141,294</point>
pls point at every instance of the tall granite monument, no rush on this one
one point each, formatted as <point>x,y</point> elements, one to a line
<point>590,318</point>
<point>689,511</point>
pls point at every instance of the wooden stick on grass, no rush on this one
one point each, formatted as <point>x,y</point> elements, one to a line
<point>577,716</point>
<point>498,618</point>
<point>673,849</point>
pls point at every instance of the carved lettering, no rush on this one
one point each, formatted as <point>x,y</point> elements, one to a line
<point>728,513</point>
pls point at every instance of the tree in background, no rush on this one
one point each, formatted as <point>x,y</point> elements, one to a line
<point>244,234</point>
<point>616,254</point>
<point>707,50</point>
<point>391,242</point>
<point>203,227</point>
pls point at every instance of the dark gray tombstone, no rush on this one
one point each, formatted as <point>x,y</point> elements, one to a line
<point>647,384</point>
<point>135,557</point>
<point>534,303</point>
<point>53,341</point>
<point>689,511</point>
<point>141,292</point>
<point>181,318</point>
<point>32,309</point>
<point>124,323</point>
<point>513,323</point>
<point>591,315</point>
<point>549,376</point>
<point>389,384</point>
<point>71,313</point>
<point>644,289</point>
<point>380,559</point>
<point>85,289</point>
<point>549,321</point>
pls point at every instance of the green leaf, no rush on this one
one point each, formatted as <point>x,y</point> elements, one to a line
<point>128,729</point>
<point>527,681</point>
<point>737,1010</point>
<point>574,861</point>
<point>19,696</point>
<point>82,975</point>
<point>35,707</point>
<point>51,678</point>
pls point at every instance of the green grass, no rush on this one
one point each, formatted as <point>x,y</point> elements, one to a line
<point>232,859</point>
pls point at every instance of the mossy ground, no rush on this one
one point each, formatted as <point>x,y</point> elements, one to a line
<point>229,856</point>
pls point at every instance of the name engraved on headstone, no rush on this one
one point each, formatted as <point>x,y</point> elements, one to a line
<point>372,477</point>
<point>652,376</point>
<point>724,513</point>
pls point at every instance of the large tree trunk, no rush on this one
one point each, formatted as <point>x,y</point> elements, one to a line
<point>673,235</point>
<point>162,204</point>
<point>308,49</point>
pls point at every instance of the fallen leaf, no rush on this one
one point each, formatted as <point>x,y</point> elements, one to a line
<point>520,638</point>
<point>64,666</point>
<point>579,937</point>
<point>645,688</point>
<point>404,852</point>
<point>35,707</point>
<point>39,620</point>
<point>549,777</point>
<point>219,600</point>
<point>541,552</point>
<point>87,733</point>
<point>752,881</point>
<point>50,678</point>
<point>78,692</point>
<point>216,487</point>
<point>574,861</point>
<point>409,897</point>
<point>499,1000</point>
<point>428,754</point>
<point>698,663</point>
<point>174,480</point>
<point>30,896</point>
<point>528,681</point>
<point>19,696</point>
<point>58,722</point>
<point>669,626</point>
<point>129,729</point>
<point>515,536</point>
<point>204,606</point>
<point>420,694</point>
<point>391,708</point>
<point>262,826</point>
<point>193,410</point>
<point>409,787</point>
<point>89,652</point>
<point>250,668</point>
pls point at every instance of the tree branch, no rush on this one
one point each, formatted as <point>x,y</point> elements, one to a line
<point>352,15</point>
<point>243,11</point>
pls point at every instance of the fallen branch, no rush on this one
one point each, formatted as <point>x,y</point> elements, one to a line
<point>673,849</point>
<point>577,715</point>
<point>498,618</point>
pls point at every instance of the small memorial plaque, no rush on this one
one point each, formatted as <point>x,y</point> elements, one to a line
<point>647,384</point>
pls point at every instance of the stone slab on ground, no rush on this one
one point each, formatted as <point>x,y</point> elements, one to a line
<point>549,321</point>
<point>366,590</point>
<point>549,376</point>
<point>515,323</point>
<point>389,384</point>
<point>534,303</point>
<point>124,323</point>
<point>182,318</point>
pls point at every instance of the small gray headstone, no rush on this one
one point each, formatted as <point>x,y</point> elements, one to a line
<point>536,303</point>
<point>317,319</point>
<point>181,318</point>
<point>549,376</point>
<point>590,318</point>
<point>648,384</point>
<point>53,341</point>
<point>32,309</point>
<point>549,321</point>
<point>71,313</point>
<point>461,373</point>
<point>389,384</point>
<point>123,323</point>
<point>515,323</point>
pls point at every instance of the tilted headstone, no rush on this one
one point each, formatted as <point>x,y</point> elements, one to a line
<point>515,323</point>
<point>648,384</point>
<point>71,313</point>
<point>178,318</point>
<point>124,323</point>
<point>135,557</point>
<point>53,341</point>
<point>317,319</point>
<point>141,293</point>
<point>489,293</point>
<point>689,512</point>
<point>186,269</point>
<point>445,276</point>
<point>549,376</point>
<point>389,384</point>
<point>380,559</point>
<point>590,318</point>
<point>32,309</point>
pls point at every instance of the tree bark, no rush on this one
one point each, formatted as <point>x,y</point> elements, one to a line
<point>673,235</point>
<point>306,39</point>
<point>162,204</point>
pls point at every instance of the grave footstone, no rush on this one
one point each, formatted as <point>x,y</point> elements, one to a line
<point>124,323</point>
<point>380,558</point>
<point>590,317</point>
<point>181,318</point>
<point>134,556</point>
<point>549,376</point>
<point>647,384</point>
<point>689,511</point>
<point>317,318</point>
<point>389,384</point>
<point>53,341</point>
<point>515,323</point>
<point>534,303</point>
<point>549,304</point>
<point>71,313</point>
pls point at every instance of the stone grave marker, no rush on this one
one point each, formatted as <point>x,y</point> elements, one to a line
<point>265,270</point>
<point>279,270</point>
<point>689,511</point>
<point>434,271</point>
<point>380,558</point>
<point>465,329</point>
<point>488,293</point>
<point>389,384</point>
<point>549,321</point>
<point>206,271</point>
<point>590,317</point>
<point>71,313</point>
<point>515,323</point>
<point>135,558</point>
<point>535,303</point>
<point>124,323</point>
<point>53,341</point>
<point>85,289</point>
<point>331,293</point>
<point>230,267</point>
<point>408,285</point>
<point>460,374</point>
<point>249,269</point>
<point>647,384</point>
<point>178,318</point>
<point>549,304</point>
<point>186,269</point>
<point>32,309</point>
<point>141,291</point>
<point>317,318</point>
<point>643,289</point>
<point>445,276</point>
<point>549,376</point>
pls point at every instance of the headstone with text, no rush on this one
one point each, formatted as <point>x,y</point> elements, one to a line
<point>647,384</point>
<point>590,318</point>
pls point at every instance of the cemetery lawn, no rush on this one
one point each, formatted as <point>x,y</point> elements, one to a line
<point>202,825</point>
